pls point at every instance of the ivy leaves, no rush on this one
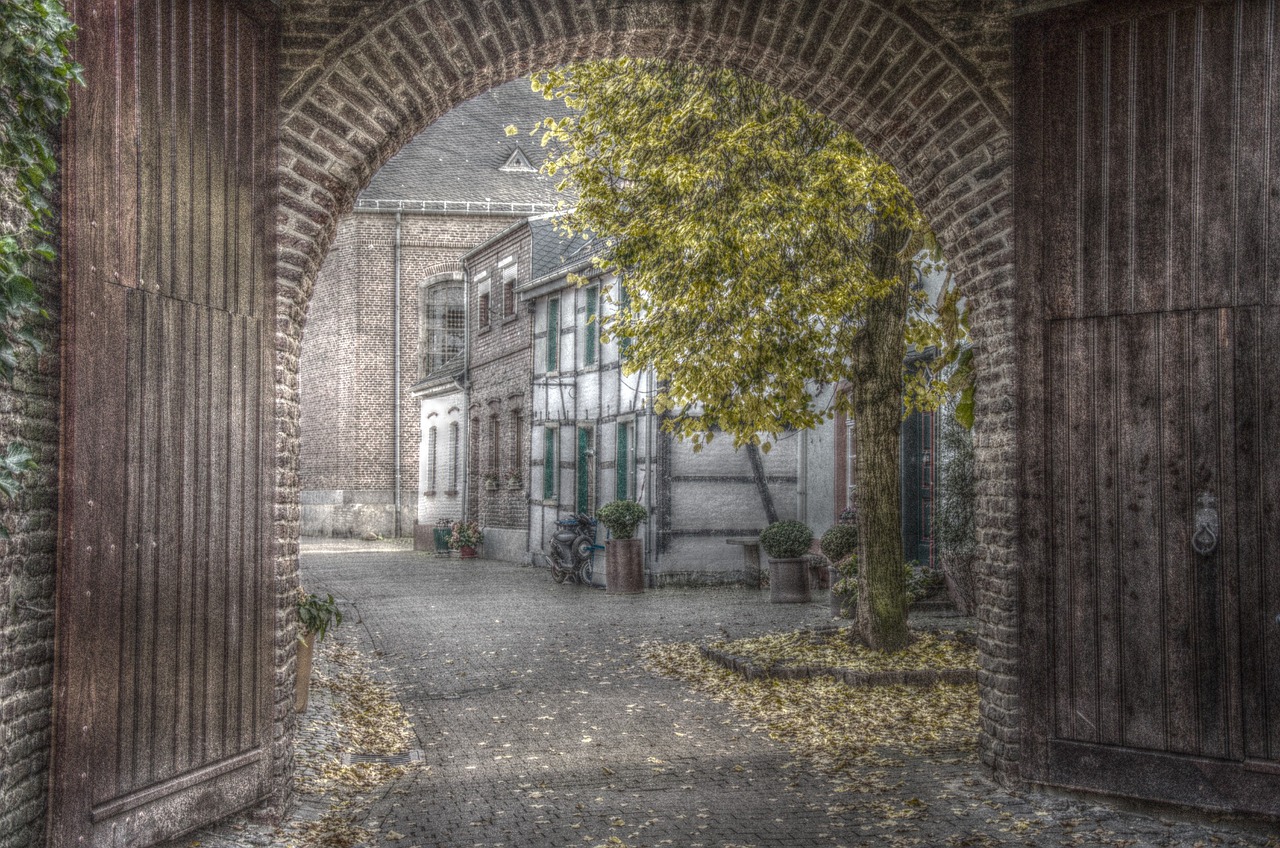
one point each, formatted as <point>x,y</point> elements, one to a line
<point>36,74</point>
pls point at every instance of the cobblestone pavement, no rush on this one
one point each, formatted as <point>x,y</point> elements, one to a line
<point>541,728</point>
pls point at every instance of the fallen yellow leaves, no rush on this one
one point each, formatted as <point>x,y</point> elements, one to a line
<point>927,652</point>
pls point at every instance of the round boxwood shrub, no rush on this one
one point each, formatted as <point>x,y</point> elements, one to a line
<point>786,539</point>
<point>840,541</point>
<point>621,518</point>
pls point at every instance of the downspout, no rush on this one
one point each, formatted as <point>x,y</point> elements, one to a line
<point>395,384</point>
<point>802,480</point>
<point>465,385</point>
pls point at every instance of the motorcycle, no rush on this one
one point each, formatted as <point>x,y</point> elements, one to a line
<point>573,548</point>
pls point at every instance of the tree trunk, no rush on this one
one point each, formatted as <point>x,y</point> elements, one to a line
<point>877,397</point>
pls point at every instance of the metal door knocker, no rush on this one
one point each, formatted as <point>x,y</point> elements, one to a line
<point>1205,539</point>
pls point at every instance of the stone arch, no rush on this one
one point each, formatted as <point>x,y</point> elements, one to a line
<point>878,67</point>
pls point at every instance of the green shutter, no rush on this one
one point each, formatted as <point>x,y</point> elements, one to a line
<point>589,351</point>
<point>624,461</point>
<point>553,333</point>
<point>624,301</point>
<point>549,435</point>
<point>584,469</point>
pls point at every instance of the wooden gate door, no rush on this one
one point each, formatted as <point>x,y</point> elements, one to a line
<point>1148,202</point>
<point>165,612</point>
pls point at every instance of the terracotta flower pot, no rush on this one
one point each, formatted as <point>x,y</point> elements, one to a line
<point>788,581</point>
<point>467,552</point>
<point>623,567</point>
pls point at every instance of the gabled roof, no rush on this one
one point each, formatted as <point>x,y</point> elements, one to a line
<point>554,253</point>
<point>468,156</point>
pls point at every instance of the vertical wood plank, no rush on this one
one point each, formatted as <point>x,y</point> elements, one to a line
<point>200,232</point>
<point>235,522</point>
<point>1120,169</point>
<point>1094,171</point>
<point>1106,528</point>
<point>1151,136</point>
<point>1083,554</point>
<point>147,543</point>
<point>184,196</point>
<point>1184,161</point>
<point>1176,516</point>
<point>1229,567</point>
<point>150,150</point>
<point>1058,212</point>
<point>218,462</point>
<point>1062,423</point>
<point>1267,675</point>
<point>1251,189</point>
<point>1141,616</point>
<point>182,387</point>
<point>205,614</point>
<point>1217,80</point>
<point>1208,634</point>
<point>1271,105</point>
<point>1250,469</point>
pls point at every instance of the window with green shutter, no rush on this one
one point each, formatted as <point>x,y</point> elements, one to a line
<point>549,436</point>
<point>589,345</point>
<point>624,461</point>
<point>624,301</point>
<point>553,333</point>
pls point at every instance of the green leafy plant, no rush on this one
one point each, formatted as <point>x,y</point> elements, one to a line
<point>840,541</point>
<point>318,614</point>
<point>464,534</point>
<point>847,568</point>
<point>36,74</point>
<point>621,518</point>
<point>786,539</point>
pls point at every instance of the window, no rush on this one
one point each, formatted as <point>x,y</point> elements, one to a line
<point>553,333</point>
<point>431,462</point>
<point>443,327</point>
<point>590,335</point>
<point>517,444</point>
<point>484,308</point>
<point>585,471</point>
<point>623,463</point>
<point>495,444</point>
<point>549,469</point>
<point>509,291</point>
<point>624,302</point>
<point>482,299</point>
<point>453,458</point>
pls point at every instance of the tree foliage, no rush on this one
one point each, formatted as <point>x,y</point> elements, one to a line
<point>36,73</point>
<point>763,251</point>
<point>741,220</point>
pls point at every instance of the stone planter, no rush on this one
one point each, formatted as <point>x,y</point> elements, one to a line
<point>788,581</point>
<point>467,552</point>
<point>302,681</point>
<point>623,567</point>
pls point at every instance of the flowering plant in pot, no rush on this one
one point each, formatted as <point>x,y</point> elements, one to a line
<point>464,536</point>
<point>786,543</point>
<point>316,615</point>
<point>624,557</point>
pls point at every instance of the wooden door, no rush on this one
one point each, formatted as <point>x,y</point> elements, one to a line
<point>164,668</point>
<point>1148,195</point>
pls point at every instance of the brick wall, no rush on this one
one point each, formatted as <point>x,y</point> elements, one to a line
<point>28,414</point>
<point>347,470</point>
<point>500,373</point>
<point>925,84</point>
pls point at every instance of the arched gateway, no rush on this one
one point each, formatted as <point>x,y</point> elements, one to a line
<point>178,510</point>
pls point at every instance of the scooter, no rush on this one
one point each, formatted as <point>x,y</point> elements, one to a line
<point>573,548</point>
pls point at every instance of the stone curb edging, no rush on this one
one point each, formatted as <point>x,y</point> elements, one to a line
<point>912,677</point>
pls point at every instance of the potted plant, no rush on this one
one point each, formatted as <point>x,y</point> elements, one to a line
<point>623,555</point>
<point>316,616</point>
<point>786,543</point>
<point>840,546</point>
<point>464,536</point>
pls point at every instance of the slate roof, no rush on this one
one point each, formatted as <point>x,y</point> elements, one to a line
<point>461,156</point>
<point>555,253</point>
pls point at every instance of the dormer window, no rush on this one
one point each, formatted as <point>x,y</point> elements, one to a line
<point>517,161</point>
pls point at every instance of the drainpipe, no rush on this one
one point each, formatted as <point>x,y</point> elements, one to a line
<point>395,382</point>
<point>802,479</point>
<point>464,383</point>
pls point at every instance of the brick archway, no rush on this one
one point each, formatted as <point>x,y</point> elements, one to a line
<point>929,99</point>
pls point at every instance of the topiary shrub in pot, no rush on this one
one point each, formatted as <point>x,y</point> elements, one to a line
<point>623,554</point>
<point>786,543</point>
<point>840,546</point>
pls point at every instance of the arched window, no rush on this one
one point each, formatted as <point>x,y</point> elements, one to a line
<point>443,324</point>
<point>431,462</point>
<point>453,458</point>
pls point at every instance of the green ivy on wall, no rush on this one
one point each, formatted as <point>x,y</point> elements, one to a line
<point>36,74</point>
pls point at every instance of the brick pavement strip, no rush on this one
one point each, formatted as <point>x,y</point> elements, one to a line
<point>541,728</point>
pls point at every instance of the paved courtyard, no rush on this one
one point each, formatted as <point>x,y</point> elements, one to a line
<point>540,727</point>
